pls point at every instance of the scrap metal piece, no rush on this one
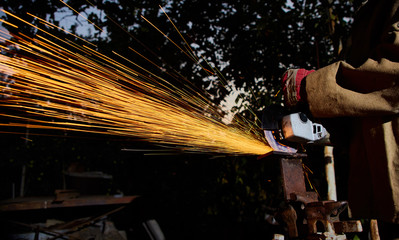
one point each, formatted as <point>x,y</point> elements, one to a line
<point>294,181</point>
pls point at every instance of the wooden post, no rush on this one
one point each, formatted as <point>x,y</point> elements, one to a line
<point>330,173</point>
<point>375,235</point>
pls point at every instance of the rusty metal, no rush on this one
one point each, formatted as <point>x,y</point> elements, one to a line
<point>293,178</point>
<point>19,204</point>
<point>62,195</point>
<point>294,181</point>
<point>325,212</point>
<point>321,218</point>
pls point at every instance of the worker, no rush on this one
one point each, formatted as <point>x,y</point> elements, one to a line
<point>361,96</point>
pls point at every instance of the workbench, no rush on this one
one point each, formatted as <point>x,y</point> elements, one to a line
<point>71,217</point>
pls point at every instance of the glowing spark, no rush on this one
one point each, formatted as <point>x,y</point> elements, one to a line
<point>181,35</point>
<point>167,37</point>
<point>55,26</point>
<point>10,24</point>
<point>83,90</point>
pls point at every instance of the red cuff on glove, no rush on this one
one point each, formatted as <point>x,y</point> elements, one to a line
<point>292,80</point>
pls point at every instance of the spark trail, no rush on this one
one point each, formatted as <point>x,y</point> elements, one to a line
<point>62,85</point>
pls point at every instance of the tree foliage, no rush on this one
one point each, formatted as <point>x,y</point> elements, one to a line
<point>251,43</point>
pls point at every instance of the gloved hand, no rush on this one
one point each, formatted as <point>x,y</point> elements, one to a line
<point>293,87</point>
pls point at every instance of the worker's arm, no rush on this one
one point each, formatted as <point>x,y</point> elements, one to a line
<point>341,90</point>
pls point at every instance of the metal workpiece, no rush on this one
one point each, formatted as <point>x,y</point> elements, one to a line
<point>325,215</point>
<point>302,213</point>
<point>294,181</point>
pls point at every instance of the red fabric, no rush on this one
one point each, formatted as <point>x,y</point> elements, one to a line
<point>300,75</point>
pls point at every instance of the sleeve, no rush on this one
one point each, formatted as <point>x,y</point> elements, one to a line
<point>342,90</point>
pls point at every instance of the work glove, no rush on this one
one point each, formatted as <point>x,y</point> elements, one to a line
<point>294,86</point>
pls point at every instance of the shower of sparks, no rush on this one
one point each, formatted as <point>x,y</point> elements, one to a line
<point>62,85</point>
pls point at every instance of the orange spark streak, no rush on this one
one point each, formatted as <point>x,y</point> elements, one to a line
<point>55,26</point>
<point>86,91</point>
<point>166,36</point>
<point>10,24</point>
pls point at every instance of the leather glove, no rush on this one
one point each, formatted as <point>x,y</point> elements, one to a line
<point>294,87</point>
